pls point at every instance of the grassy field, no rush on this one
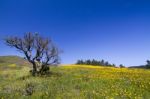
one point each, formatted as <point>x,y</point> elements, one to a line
<point>75,82</point>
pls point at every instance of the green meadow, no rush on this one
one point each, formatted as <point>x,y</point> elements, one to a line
<point>74,82</point>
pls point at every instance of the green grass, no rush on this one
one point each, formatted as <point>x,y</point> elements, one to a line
<point>12,63</point>
<point>9,60</point>
<point>76,82</point>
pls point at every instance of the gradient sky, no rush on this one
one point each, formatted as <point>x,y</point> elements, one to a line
<point>115,30</point>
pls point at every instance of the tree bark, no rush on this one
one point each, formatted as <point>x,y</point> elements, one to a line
<point>34,72</point>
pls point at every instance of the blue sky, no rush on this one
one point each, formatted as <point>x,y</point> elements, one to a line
<point>115,30</point>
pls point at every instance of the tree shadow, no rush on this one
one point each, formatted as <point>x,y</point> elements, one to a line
<point>24,77</point>
<point>48,74</point>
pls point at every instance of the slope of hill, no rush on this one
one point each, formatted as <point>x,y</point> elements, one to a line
<point>12,61</point>
<point>76,82</point>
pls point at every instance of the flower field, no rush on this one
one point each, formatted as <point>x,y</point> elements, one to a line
<point>76,82</point>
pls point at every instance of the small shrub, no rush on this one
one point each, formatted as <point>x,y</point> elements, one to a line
<point>29,89</point>
<point>121,66</point>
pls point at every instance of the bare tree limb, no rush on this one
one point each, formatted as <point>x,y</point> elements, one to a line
<point>36,49</point>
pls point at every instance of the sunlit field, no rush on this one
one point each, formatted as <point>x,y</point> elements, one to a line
<point>75,82</point>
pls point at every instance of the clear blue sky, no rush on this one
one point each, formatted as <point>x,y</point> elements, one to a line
<point>115,30</point>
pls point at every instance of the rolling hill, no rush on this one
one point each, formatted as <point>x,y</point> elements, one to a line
<point>76,82</point>
<point>72,82</point>
<point>13,62</point>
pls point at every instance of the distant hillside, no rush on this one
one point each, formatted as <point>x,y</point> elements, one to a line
<point>142,66</point>
<point>9,60</point>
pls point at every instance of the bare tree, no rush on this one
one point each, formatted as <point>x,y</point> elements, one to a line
<point>39,51</point>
